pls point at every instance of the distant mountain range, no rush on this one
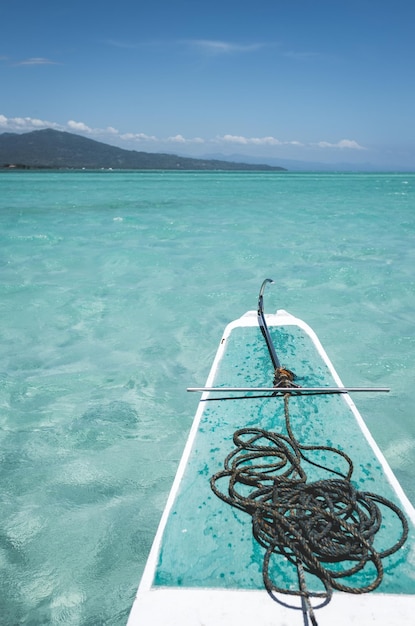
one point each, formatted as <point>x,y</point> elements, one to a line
<point>295,165</point>
<point>55,149</point>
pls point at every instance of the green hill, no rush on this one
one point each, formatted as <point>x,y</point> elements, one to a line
<point>56,149</point>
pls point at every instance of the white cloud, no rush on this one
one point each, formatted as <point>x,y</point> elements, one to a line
<point>255,141</point>
<point>38,123</point>
<point>37,61</point>
<point>177,139</point>
<point>265,141</point>
<point>25,124</point>
<point>137,137</point>
<point>22,124</point>
<point>181,139</point>
<point>116,43</point>
<point>350,144</point>
<point>347,143</point>
<point>232,139</point>
<point>222,47</point>
<point>79,126</point>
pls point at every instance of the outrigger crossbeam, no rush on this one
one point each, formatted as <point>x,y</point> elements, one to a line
<point>292,390</point>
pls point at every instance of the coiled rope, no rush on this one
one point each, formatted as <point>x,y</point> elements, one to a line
<point>324,528</point>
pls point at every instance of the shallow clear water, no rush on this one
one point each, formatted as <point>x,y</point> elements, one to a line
<point>115,288</point>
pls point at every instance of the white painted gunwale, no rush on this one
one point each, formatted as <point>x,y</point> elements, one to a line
<point>178,606</point>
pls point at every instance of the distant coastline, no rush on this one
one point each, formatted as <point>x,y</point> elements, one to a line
<point>53,149</point>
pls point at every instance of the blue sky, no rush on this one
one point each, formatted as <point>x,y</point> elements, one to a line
<point>316,80</point>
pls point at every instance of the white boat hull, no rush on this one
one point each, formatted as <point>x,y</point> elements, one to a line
<point>195,574</point>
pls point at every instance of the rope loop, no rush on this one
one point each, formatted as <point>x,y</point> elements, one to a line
<point>325,528</point>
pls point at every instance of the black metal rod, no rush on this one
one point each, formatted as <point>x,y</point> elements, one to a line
<point>294,390</point>
<point>264,328</point>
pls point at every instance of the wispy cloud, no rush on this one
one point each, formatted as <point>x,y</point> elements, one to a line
<point>36,61</point>
<point>80,127</point>
<point>138,137</point>
<point>182,140</point>
<point>210,46</point>
<point>25,124</point>
<point>255,141</point>
<point>348,144</point>
<point>116,43</point>
<point>207,47</point>
<point>216,47</point>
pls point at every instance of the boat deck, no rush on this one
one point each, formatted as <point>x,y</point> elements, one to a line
<point>205,566</point>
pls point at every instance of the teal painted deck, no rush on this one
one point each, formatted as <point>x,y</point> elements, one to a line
<point>207,543</point>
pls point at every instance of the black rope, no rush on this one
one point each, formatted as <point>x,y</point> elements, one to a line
<point>325,528</point>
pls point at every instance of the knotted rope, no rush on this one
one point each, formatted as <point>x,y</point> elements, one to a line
<point>324,528</point>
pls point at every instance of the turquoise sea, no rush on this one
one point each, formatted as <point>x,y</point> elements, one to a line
<point>115,288</point>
